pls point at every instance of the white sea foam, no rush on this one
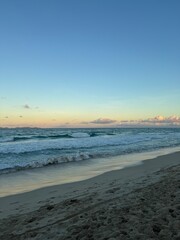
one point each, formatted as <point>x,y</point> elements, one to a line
<point>5,168</point>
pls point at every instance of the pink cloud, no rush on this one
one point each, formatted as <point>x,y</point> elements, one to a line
<point>155,121</point>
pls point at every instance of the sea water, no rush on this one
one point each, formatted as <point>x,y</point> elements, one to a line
<point>32,158</point>
<point>28,148</point>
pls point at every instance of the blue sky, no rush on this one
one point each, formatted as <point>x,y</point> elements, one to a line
<point>80,61</point>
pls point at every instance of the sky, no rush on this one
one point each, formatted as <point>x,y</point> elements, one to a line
<point>89,63</point>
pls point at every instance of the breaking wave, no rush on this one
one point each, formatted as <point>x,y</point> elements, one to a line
<point>33,148</point>
<point>46,162</point>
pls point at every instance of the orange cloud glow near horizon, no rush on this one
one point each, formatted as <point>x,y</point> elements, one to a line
<point>47,122</point>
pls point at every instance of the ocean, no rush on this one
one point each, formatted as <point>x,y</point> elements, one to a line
<point>30,148</point>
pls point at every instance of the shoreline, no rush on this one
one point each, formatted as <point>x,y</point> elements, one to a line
<point>140,169</point>
<point>67,211</point>
<point>32,179</point>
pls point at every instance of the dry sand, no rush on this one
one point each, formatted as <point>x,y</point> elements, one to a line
<point>140,202</point>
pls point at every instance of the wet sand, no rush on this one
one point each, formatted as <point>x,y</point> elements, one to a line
<point>139,202</point>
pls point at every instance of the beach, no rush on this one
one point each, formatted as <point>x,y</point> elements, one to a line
<point>137,202</point>
<point>90,120</point>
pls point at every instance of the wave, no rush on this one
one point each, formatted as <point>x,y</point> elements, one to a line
<point>50,161</point>
<point>55,136</point>
<point>76,157</point>
<point>84,140</point>
<point>73,143</point>
<point>41,137</point>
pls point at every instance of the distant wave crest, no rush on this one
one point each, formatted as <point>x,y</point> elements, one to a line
<point>54,136</point>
